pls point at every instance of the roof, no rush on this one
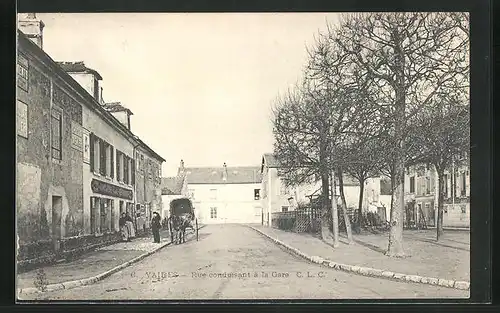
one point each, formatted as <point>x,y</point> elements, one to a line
<point>116,107</point>
<point>89,100</point>
<point>270,160</point>
<point>78,67</point>
<point>172,185</point>
<point>214,175</point>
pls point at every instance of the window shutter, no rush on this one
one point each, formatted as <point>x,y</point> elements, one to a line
<point>102,158</point>
<point>91,149</point>
<point>133,171</point>
<point>112,155</point>
<point>118,166</point>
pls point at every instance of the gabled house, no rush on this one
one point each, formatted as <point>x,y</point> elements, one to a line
<point>224,194</point>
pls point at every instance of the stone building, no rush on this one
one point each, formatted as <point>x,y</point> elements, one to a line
<point>75,160</point>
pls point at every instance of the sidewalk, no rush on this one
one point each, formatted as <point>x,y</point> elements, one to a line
<point>447,259</point>
<point>93,263</point>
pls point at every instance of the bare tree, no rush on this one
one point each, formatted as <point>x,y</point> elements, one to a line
<point>442,133</point>
<point>409,58</point>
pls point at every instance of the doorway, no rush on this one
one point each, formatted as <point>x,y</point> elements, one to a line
<point>56,222</point>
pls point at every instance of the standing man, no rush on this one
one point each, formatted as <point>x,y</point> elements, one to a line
<point>155,227</point>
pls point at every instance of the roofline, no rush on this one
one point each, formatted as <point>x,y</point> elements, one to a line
<point>90,101</point>
<point>87,70</point>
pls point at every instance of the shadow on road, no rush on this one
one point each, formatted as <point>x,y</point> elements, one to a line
<point>441,244</point>
<point>370,246</point>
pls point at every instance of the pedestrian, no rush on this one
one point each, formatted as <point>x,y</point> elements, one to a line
<point>155,227</point>
<point>124,228</point>
<point>130,226</point>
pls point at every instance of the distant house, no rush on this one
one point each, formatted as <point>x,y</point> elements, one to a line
<point>172,188</point>
<point>421,189</point>
<point>276,197</point>
<point>224,194</point>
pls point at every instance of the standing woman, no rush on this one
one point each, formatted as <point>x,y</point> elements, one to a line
<point>155,227</point>
<point>124,228</point>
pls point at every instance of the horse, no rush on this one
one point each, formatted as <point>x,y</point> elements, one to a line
<point>179,225</point>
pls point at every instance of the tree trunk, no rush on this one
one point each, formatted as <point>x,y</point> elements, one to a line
<point>395,247</point>
<point>325,221</point>
<point>439,222</point>
<point>347,222</point>
<point>360,204</point>
<point>335,216</point>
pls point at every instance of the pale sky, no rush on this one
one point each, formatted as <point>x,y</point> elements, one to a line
<point>200,85</point>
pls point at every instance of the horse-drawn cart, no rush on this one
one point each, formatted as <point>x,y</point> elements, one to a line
<point>181,217</point>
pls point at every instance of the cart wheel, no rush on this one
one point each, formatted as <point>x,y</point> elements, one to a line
<point>196,229</point>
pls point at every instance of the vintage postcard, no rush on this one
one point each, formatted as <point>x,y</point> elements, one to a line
<point>248,156</point>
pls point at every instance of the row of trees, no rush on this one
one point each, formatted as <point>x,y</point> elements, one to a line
<point>380,92</point>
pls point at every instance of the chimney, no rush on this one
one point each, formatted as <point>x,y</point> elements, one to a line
<point>31,27</point>
<point>181,168</point>
<point>224,172</point>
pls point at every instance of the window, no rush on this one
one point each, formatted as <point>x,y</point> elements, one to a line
<point>22,119</point>
<point>126,170</point>
<point>108,159</point>
<point>256,194</point>
<point>412,184</point>
<point>283,189</point>
<point>119,166</point>
<point>213,194</point>
<point>213,213</point>
<point>22,72</point>
<point>142,164</point>
<point>445,186</point>
<point>284,209</point>
<point>463,209</point>
<point>122,209</point>
<point>462,184</point>
<point>56,135</point>
<point>427,185</point>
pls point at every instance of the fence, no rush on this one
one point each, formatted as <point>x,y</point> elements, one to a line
<point>300,220</point>
<point>308,220</point>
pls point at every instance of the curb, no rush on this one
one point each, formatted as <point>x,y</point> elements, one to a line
<point>371,272</point>
<point>90,280</point>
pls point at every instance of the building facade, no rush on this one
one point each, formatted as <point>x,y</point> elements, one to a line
<point>224,194</point>
<point>276,197</point>
<point>74,158</point>
<point>421,193</point>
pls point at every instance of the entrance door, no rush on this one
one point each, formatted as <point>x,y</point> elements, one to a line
<point>56,222</point>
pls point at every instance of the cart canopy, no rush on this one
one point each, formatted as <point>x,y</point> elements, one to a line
<point>181,206</point>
